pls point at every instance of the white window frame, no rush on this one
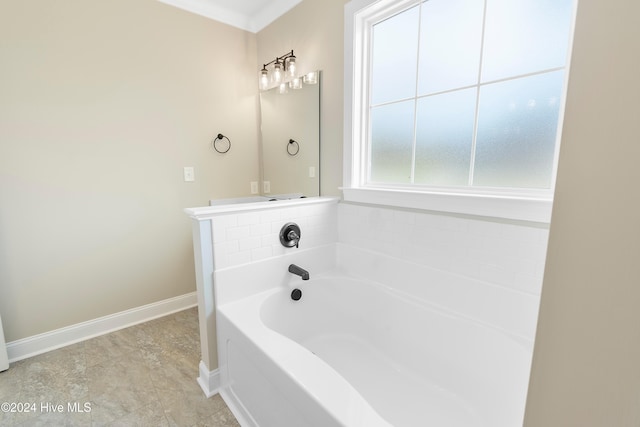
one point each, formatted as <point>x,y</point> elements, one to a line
<point>517,204</point>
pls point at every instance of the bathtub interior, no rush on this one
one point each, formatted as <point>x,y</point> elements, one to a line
<point>427,364</point>
<point>269,380</point>
<point>477,363</point>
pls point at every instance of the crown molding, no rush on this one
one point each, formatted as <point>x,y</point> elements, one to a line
<point>237,16</point>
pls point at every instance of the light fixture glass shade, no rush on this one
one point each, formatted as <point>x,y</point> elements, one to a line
<point>278,75</point>
<point>296,83</point>
<point>263,79</point>
<point>311,78</point>
<point>291,67</point>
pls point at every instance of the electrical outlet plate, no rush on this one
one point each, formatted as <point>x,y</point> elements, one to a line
<point>254,187</point>
<point>266,187</point>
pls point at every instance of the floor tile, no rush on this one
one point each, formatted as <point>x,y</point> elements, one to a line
<point>144,375</point>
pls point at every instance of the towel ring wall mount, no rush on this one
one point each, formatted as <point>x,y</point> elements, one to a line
<point>216,144</point>
<point>293,147</point>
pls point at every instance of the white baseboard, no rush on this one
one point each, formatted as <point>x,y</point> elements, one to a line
<point>42,343</point>
<point>209,380</point>
<point>211,384</point>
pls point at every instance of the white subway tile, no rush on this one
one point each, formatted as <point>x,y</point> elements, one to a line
<point>384,237</point>
<point>249,243</point>
<point>242,257</point>
<point>496,275</point>
<point>225,220</point>
<point>269,215</point>
<point>237,233</point>
<point>220,257</point>
<point>276,226</point>
<point>529,284</point>
<point>290,213</point>
<point>311,210</point>
<point>261,253</point>
<point>270,239</point>
<point>278,249</point>
<point>259,229</point>
<point>219,226</point>
<point>404,217</point>
<point>228,246</point>
<point>485,228</point>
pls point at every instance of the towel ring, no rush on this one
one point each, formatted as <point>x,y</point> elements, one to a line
<point>221,137</point>
<point>293,147</point>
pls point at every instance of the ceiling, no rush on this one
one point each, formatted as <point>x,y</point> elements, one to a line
<point>250,15</point>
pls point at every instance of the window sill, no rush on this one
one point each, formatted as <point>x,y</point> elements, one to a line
<point>497,206</point>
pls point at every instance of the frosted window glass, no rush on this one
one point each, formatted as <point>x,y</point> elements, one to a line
<point>517,122</point>
<point>525,36</point>
<point>444,138</point>
<point>392,142</point>
<point>450,41</point>
<point>393,68</point>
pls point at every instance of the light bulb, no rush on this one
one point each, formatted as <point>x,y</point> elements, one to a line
<point>291,67</point>
<point>283,88</point>
<point>263,79</point>
<point>277,74</point>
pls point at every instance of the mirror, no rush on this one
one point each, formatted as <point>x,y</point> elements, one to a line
<point>290,130</point>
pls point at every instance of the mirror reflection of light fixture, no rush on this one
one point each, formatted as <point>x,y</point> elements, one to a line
<point>296,83</point>
<point>284,70</point>
<point>311,78</point>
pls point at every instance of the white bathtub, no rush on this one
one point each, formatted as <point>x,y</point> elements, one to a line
<point>358,353</point>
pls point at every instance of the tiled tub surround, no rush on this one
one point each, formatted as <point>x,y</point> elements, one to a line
<point>241,234</point>
<point>477,279</point>
<point>506,254</point>
<point>249,236</point>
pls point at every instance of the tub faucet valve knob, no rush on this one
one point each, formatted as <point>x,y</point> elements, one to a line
<point>290,235</point>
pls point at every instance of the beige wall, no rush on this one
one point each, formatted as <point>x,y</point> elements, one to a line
<point>586,364</point>
<point>314,30</point>
<point>102,103</point>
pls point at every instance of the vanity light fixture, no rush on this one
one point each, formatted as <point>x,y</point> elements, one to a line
<point>284,71</point>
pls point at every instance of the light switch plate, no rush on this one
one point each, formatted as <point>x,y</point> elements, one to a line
<point>189,174</point>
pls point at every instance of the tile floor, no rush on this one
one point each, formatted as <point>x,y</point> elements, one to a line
<point>144,375</point>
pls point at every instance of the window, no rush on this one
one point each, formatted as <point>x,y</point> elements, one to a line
<point>456,97</point>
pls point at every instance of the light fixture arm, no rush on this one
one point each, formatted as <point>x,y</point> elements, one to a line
<point>280,59</point>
